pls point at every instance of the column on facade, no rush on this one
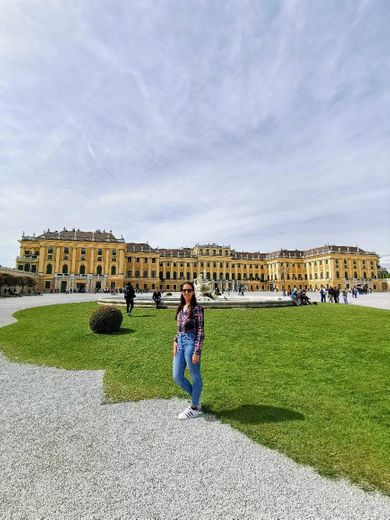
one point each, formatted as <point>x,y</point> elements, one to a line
<point>41,263</point>
<point>91,265</point>
<point>57,261</point>
<point>73,265</point>
<point>121,267</point>
<point>107,262</point>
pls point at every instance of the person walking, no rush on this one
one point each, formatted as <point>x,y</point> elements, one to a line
<point>345,295</point>
<point>157,298</point>
<point>323,294</point>
<point>129,294</point>
<point>187,346</point>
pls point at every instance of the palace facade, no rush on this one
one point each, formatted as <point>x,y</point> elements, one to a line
<point>74,260</point>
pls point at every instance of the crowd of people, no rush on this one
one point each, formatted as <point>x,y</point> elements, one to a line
<point>328,294</point>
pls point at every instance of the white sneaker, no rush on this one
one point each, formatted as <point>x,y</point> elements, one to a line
<point>189,413</point>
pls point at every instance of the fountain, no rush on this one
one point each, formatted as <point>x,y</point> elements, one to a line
<point>209,294</point>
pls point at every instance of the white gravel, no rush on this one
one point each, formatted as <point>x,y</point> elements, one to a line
<point>64,454</point>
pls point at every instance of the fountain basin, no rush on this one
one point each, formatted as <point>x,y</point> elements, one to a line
<point>233,302</point>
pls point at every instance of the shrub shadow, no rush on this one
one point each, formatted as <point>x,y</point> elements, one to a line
<point>258,414</point>
<point>122,330</point>
<point>142,316</point>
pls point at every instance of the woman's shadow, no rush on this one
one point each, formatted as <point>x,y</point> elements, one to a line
<point>257,414</point>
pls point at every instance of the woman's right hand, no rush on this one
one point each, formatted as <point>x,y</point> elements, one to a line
<point>174,348</point>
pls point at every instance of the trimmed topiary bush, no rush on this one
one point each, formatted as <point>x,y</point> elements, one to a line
<point>106,319</point>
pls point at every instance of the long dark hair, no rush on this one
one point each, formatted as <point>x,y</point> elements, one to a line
<point>193,301</point>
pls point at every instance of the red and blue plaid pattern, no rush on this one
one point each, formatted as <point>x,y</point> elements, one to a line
<point>192,323</point>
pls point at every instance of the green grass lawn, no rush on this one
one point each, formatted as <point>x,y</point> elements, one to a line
<point>309,382</point>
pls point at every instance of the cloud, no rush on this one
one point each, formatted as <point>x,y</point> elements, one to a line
<point>258,124</point>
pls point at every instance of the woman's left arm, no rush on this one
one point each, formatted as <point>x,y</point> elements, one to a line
<point>199,329</point>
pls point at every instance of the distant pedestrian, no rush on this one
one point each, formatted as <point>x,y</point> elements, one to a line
<point>157,298</point>
<point>129,294</point>
<point>345,295</point>
<point>323,294</point>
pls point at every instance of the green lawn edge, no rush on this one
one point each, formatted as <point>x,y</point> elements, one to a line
<point>314,389</point>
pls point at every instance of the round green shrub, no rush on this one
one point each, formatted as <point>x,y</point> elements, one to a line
<point>106,319</point>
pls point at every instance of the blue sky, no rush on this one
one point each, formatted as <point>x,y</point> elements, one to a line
<point>259,124</point>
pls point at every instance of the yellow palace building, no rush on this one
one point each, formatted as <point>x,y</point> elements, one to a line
<point>78,261</point>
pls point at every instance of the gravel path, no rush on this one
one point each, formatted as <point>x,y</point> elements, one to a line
<point>64,454</point>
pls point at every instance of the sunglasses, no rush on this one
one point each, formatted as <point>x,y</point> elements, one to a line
<point>187,290</point>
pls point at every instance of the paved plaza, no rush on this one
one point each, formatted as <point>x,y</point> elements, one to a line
<point>66,454</point>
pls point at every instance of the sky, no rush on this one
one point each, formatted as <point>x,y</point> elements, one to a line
<point>256,124</point>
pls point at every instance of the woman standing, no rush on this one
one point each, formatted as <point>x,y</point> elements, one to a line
<point>187,347</point>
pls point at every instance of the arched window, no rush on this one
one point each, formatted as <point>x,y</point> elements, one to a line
<point>113,270</point>
<point>227,276</point>
<point>168,275</point>
<point>372,274</point>
<point>346,274</point>
<point>214,276</point>
<point>364,274</point>
<point>239,276</point>
<point>174,275</point>
<point>355,274</point>
<point>337,274</point>
<point>82,269</point>
<point>65,269</point>
<point>49,269</point>
<point>99,270</point>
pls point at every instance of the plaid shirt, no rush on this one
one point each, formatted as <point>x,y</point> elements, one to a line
<point>194,323</point>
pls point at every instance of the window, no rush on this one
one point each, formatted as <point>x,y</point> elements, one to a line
<point>82,269</point>
<point>49,269</point>
<point>100,252</point>
<point>128,274</point>
<point>83,251</point>
<point>153,274</point>
<point>161,275</point>
<point>47,284</point>
<point>153,260</point>
<point>136,274</point>
<point>346,274</point>
<point>50,250</point>
<point>145,260</point>
<point>168,275</point>
<point>174,275</point>
<point>99,270</point>
<point>137,260</point>
<point>145,274</point>
<point>65,269</point>
<point>66,250</point>
<point>33,268</point>
<point>337,274</point>
<point>50,257</point>
<point>113,252</point>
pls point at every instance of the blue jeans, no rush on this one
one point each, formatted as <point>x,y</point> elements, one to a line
<point>183,358</point>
